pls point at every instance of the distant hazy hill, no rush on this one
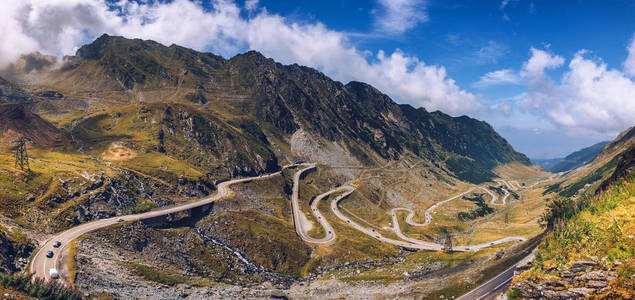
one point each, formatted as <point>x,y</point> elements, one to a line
<point>546,163</point>
<point>572,160</point>
<point>598,169</point>
<point>11,93</point>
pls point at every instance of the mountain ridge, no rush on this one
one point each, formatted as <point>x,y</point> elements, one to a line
<point>292,97</point>
<point>572,160</point>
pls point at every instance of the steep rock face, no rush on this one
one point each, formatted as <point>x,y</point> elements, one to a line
<point>192,136</point>
<point>15,248</point>
<point>218,148</point>
<point>366,123</point>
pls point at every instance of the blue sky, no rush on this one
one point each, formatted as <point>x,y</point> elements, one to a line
<point>550,76</point>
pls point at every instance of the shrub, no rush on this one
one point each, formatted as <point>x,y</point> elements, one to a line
<point>38,288</point>
<point>513,294</point>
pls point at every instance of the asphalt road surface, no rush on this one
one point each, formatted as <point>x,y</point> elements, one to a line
<point>40,265</point>
<point>407,242</point>
<point>297,218</point>
<point>497,285</point>
<point>492,287</point>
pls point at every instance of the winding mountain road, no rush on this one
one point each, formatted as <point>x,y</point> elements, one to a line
<point>40,264</point>
<point>406,241</point>
<point>489,288</point>
<point>297,218</point>
<point>436,246</point>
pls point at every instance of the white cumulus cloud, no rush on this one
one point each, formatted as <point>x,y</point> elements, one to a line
<point>398,16</point>
<point>490,53</point>
<point>58,27</point>
<point>251,5</point>
<point>629,64</point>
<point>538,62</point>
<point>589,99</point>
<point>504,76</point>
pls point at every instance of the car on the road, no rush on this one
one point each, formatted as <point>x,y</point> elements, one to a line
<point>57,244</point>
<point>54,274</point>
<point>491,244</point>
<point>49,254</point>
<point>120,220</point>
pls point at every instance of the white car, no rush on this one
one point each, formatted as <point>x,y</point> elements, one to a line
<point>54,274</point>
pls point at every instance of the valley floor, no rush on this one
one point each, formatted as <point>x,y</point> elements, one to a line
<point>324,266</point>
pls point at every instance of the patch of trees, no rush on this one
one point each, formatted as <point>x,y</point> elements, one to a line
<point>482,209</point>
<point>497,189</point>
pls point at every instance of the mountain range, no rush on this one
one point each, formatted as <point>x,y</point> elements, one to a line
<point>278,111</point>
<point>571,161</point>
<point>128,126</point>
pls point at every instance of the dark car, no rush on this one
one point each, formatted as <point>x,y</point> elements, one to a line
<point>49,254</point>
<point>57,244</point>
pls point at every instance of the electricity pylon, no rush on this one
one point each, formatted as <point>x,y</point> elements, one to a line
<point>21,156</point>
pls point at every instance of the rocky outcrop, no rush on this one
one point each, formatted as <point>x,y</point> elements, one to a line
<point>15,250</point>
<point>582,279</point>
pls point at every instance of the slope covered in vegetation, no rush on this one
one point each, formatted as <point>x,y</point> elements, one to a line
<point>590,245</point>
<point>589,250</point>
